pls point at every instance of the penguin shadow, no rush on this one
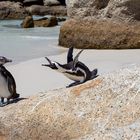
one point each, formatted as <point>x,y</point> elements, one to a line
<point>12,101</point>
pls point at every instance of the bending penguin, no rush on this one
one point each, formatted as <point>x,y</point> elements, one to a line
<point>74,69</point>
<point>7,82</point>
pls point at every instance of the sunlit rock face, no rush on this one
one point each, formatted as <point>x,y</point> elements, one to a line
<point>123,10</point>
<point>107,107</point>
<point>99,34</point>
<point>12,10</point>
<point>116,15</point>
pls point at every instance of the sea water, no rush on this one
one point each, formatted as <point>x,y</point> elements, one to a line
<point>22,44</point>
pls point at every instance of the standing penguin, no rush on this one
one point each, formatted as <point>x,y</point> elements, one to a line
<point>7,82</point>
<point>74,69</point>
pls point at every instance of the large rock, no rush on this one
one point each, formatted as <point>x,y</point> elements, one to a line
<point>99,35</point>
<point>123,10</point>
<point>107,108</point>
<point>122,15</point>
<point>28,22</point>
<point>12,10</point>
<point>47,10</point>
<point>46,22</point>
<point>51,2</point>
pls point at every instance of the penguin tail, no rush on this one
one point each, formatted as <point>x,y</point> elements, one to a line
<point>94,73</point>
<point>16,96</point>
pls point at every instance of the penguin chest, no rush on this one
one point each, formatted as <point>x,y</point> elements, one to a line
<point>74,77</point>
<point>4,92</point>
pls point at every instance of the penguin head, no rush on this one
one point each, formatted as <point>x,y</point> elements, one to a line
<point>4,60</point>
<point>52,65</point>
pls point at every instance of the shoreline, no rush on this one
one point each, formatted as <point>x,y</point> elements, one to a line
<point>32,78</point>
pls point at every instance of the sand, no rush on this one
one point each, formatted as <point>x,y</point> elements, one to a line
<point>32,78</point>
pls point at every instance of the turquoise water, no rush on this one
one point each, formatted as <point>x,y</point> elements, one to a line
<point>24,44</point>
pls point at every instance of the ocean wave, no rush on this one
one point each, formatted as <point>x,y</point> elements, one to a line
<point>12,26</point>
<point>40,37</point>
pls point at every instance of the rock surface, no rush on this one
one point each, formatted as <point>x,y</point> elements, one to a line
<point>28,22</point>
<point>12,10</point>
<point>115,12</point>
<point>14,0</point>
<point>19,9</point>
<point>51,2</point>
<point>47,10</point>
<point>107,107</point>
<point>123,10</point>
<point>46,22</point>
<point>99,35</point>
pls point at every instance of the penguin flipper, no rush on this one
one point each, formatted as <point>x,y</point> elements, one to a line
<point>74,84</point>
<point>76,59</point>
<point>70,55</point>
<point>48,60</point>
<point>11,86</point>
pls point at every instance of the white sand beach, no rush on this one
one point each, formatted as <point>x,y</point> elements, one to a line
<point>32,78</point>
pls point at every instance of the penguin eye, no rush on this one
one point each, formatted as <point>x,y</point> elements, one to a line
<point>53,66</point>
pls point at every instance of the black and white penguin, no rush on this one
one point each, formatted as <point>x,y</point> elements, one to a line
<point>74,69</point>
<point>7,82</point>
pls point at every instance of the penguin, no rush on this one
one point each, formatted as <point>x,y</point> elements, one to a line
<point>73,69</point>
<point>7,82</point>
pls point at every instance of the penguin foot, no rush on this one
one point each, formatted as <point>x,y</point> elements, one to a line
<point>16,100</point>
<point>3,104</point>
<point>73,84</point>
<point>94,72</point>
<point>6,103</point>
<point>94,76</point>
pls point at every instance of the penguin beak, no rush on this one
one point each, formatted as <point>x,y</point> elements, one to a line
<point>50,65</point>
<point>46,65</point>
